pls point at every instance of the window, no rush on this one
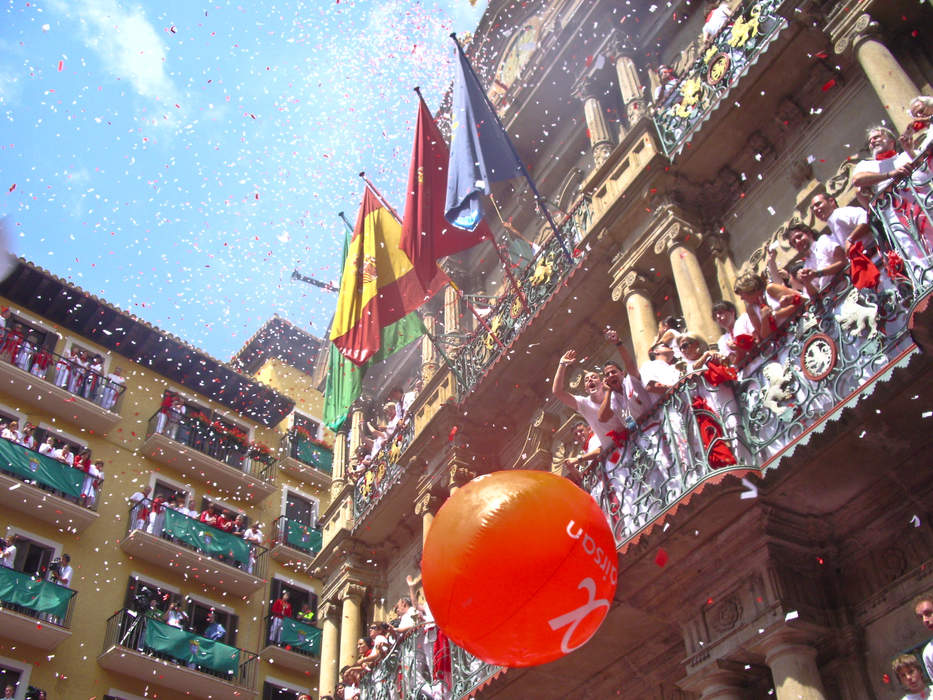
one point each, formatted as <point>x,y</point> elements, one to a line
<point>21,341</point>
<point>274,691</point>
<point>221,509</point>
<point>305,423</point>
<point>296,596</point>
<point>9,676</point>
<point>168,492</point>
<point>32,557</point>
<point>42,434</point>
<point>300,509</point>
<point>198,613</point>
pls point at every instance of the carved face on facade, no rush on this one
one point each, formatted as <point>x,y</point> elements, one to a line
<point>924,611</point>
<point>822,206</point>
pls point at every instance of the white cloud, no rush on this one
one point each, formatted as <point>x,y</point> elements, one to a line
<point>128,45</point>
<point>10,87</point>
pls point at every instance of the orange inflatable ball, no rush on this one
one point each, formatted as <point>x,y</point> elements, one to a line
<point>519,567</point>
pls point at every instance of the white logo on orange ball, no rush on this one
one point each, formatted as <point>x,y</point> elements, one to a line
<point>575,617</point>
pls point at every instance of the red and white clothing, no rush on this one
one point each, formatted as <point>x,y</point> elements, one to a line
<point>634,400</point>
<point>843,221</point>
<point>717,18</point>
<point>660,372</point>
<point>281,608</point>
<point>589,409</point>
<point>924,694</point>
<point>881,166</point>
<point>821,255</point>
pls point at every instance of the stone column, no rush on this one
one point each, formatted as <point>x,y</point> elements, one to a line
<point>714,683</point>
<point>695,299</point>
<point>350,623</point>
<point>725,270</point>
<point>451,310</point>
<point>330,638</point>
<point>642,324</point>
<point>793,666</point>
<point>356,429</point>
<point>600,138</point>
<point>426,507</point>
<point>891,83</point>
<point>428,351</point>
<point>339,471</point>
<point>633,97</point>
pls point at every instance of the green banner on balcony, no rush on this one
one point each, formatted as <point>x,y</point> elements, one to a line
<point>208,539</point>
<point>191,648</point>
<point>298,635</point>
<point>303,537</point>
<point>32,466</point>
<point>42,596</point>
<point>312,454</point>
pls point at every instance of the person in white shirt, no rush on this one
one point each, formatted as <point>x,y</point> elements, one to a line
<point>113,387</point>
<point>64,455</point>
<point>718,17</point>
<point>28,438</point>
<point>139,503</point>
<point>724,313</point>
<point>63,577</point>
<point>8,555</point>
<point>175,616</point>
<point>587,406</point>
<point>886,163</point>
<point>92,482</point>
<point>11,432</point>
<point>846,224</point>
<point>47,447</point>
<point>625,395</point>
<point>923,607</point>
<point>908,671</point>
<point>822,257</point>
<point>659,374</point>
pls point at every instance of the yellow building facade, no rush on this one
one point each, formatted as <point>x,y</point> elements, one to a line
<point>242,438</point>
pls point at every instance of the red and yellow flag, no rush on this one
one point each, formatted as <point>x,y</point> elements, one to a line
<point>379,286</point>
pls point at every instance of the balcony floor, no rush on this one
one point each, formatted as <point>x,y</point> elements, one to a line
<point>42,505</point>
<point>289,556</point>
<point>280,656</point>
<point>304,472</point>
<point>190,564</point>
<point>191,463</point>
<point>188,681</point>
<point>56,401</point>
<point>31,630</point>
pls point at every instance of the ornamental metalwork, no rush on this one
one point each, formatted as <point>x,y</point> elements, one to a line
<point>385,470</point>
<point>823,359</point>
<point>407,671</point>
<point>734,50</point>
<point>540,279</point>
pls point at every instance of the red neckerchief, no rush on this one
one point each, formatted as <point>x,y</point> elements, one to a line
<point>884,155</point>
<point>919,125</point>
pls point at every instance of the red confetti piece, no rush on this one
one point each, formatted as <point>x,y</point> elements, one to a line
<point>61,64</point>
<point>886,678</point>
<point>12,187</point>
<point>660,558</point>
<point>829,84</point>
<point>822,54</point>
<point>453,433</point>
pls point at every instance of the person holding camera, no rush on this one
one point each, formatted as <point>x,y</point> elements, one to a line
<point>175,616</point>
<point>60,571</point>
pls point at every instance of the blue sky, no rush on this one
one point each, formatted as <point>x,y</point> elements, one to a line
<point>180,159</point>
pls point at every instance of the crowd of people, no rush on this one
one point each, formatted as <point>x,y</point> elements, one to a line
<point>81,373</point>
<point>148,515</point>
<point>424,666</point>
<point>60,451</point>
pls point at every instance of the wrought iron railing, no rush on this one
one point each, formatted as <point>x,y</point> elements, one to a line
<point>67,373</point>
<point>820,361</point>
<point>407,671</point>
<point>296,535</point>
<point>203,437</point>
<point>138,631</point>
<point>385,470</point>
<point>34,597</point>
<point>49,474</point>
<point>307,452</point>
<point>539,280</point>
<point>186,531</point>
<point>714,73</point>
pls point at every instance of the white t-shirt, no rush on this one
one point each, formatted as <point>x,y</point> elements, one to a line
<point>64,576</point>
<point>408,618</point>
<point>8,434</point>
<point>881,167</point>
<point>843,221</point>
<point>924,694</point>
<point>723,344</point>
<point>634,401</point>
<point>659,371</point>
<point>45,449</point>
<point>589,409</point>
<point>716,20</point>
<point>9,556</point>
<point>820,257</point>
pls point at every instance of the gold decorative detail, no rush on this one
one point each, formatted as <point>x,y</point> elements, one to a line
<point>690,92</point>
<point>543,270</point>
<point>743,30</point>
<point>718,70</point>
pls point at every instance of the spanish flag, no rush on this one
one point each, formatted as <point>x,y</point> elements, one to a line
<point>379,288</point>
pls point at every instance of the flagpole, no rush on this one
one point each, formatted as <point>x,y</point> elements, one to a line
<point>495,244</point>
<point>539,200</point>
<point>379,196</point>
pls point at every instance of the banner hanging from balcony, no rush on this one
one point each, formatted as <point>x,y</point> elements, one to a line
<point>301,636</point>
<point>31,466</point>
<point>303,537</point>
<point>18,588</point>
<point>426,235</point>
<point>312,454</point>
<point>378,289</point>
<point>207,539</point>
<point>191,648</point>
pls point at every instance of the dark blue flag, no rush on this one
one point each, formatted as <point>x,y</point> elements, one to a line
<point>480,152</point>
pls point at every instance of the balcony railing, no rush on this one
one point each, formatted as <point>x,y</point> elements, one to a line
<point>64,372</point>
<point>135,631</point>
<point>734,50</point>
<point>188,532</point>
<point>31,596</point>
<point>307,452</point>
<point>294,635</point>
<point>407,672</point>
<point>539,281</point>
<point>385,470</point>
<point>207,439</point>
<point>43,472</point>
<point>825,358</point>
<point>291,533</point>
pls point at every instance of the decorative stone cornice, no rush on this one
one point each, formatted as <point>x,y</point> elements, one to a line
<point>846,35</point>
<point>353,590</point>
<point>327,609</point>
<point>632,282</point>
<point>428,503</point>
